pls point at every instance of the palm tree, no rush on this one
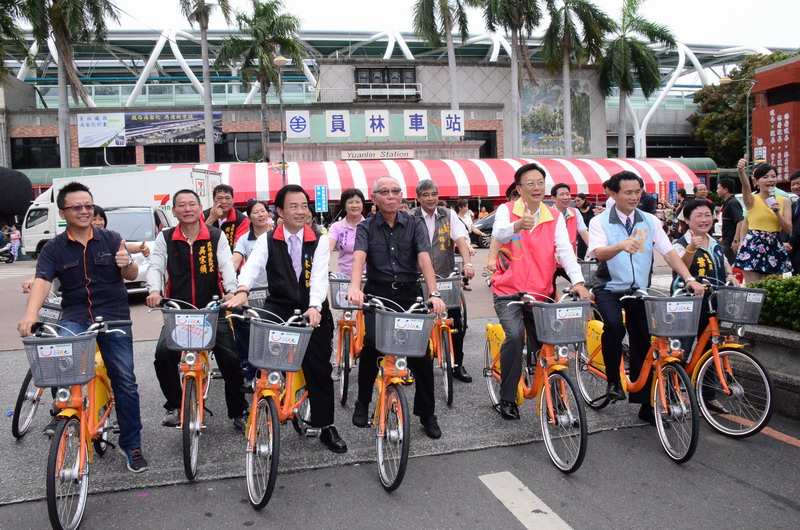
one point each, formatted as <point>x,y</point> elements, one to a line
<point>432,18</point>
<point>10,33</point>
<point>200,11</point>
<point>574,36</point>
<point>69,22</point>
<point>519,17</point>
<point>627,60</point>
<point>270,33</point>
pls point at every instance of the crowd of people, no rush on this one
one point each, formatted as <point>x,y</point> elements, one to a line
<point>224,253</point>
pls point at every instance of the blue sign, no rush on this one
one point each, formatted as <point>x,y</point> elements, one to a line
<point>673,192</point>
<point>321,198</point>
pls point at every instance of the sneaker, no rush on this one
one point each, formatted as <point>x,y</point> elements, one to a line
<point>240,422</point>
<point>172,418</point>
<point>136,461</point>
<point>50,429</point>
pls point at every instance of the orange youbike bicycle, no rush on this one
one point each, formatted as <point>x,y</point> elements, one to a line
<point>349,334</point>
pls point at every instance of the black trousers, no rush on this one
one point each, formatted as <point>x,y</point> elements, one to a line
<point>368,365</point>
<point>459,330</point>
<point>610,308</point>
<point>166,364</point>
<point>316,366</point>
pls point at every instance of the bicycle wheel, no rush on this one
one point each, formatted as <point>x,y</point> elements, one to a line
<point>103,433</point>
<point>591,385</point>
<point>344,367</point>
<point>392,444</point>
<point>564,431</point>
<point>190,428</point>
<point>26,406</point>
<point>679,424</point>
<point>301,421</point>
<point>748,407</point>
<point>447,366</point>
<point>67,484</point>
<point>491,377</point>
<point>261,462</point>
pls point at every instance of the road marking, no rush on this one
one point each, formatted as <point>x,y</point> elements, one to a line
<point>520,501</point>
<point>15,273</point>
<point>769,431</point>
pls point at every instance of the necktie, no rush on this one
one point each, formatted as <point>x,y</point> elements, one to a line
<point>294,253</point>
<point>629,225</point>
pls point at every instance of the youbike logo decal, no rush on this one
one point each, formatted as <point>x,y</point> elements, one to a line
<point>756,298</point>
<point>259,294</point>
<point>54,350</point>
<point>283,337</point>
<point>192,330</point>
<point>54,314</point>
<point>569,312</point>
<point>680,307</point>
<point>408,324</point>
<point>444,286</point>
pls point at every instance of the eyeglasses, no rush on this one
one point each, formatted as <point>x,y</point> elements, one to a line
<point>80,207</point>
<point>383,192</point>
<point>533,184</point>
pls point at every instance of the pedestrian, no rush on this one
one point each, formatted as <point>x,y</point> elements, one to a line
<point>733,221</point>
<point>794,238</point>
<point>195,259</point>
<point>576,229</point>
<point>91,264</point>
<point>295,258</point>
<point>483,213</point>
<point>15,237</point>
<point>342,234</point>
<point>761,253</point>
<point>234,224</point>
<point>395,248</point>
<point>586,210</point>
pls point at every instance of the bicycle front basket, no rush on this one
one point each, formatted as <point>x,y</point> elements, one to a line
<point>61,361</point>
<point>404,334</point>
<point>50,313</point>
<point>671,317</point>
<point>589,271</point>
<point>190,329</point>
<point>277,347</point>
<point>257,297</point>
<point>449,288</point>
<point>339,288</point>
<point>562,323</point>
<point>739,305</point>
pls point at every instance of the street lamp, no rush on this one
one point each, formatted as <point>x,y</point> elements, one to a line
<point>280,61</point>
<point>727,81</point>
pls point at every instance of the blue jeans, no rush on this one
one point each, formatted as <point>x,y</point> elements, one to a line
<point>117,353</point>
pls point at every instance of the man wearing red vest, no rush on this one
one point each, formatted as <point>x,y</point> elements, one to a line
<point>223,215</point>
<point>531,236</point>
<point>573,219</point>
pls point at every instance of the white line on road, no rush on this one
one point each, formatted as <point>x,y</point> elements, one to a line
<point>529,509</point>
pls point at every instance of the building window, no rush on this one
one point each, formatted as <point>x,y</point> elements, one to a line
<point>32,153</point>
<point>388,84</point>
<point>171,154</point>
<point>114,156</point>
<point>245,147</point>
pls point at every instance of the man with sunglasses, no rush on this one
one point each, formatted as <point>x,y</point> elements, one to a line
<point>395,248</point>
<point>91,263</point>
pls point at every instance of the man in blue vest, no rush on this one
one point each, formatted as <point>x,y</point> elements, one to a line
<point>623,239</point>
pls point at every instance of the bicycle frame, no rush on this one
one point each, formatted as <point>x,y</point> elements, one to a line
<point>281,392</point>
<point>356,339</point>
<point>441,325</point>
<point>700,354</point>
<point>387,375</point>
<point>199,370</point>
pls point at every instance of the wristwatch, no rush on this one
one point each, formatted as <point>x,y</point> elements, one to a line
<point>689,279</point>
<point>435,294</point>
<point>317,307</point>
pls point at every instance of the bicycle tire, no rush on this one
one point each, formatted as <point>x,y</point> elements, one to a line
<point>748,409</point>
<point>100,443</point>
<point>190,428</point>
<point>565,433</point>
<point>679,425</point>
<point>447,366</point>
<point>392,446</point>
<point>26,406</point>
<point>591,386</point>
<point>67,486</point>
<point>261,461</point>
<point>345,366</point>
<point>492,382</point>
<point>302,418</point>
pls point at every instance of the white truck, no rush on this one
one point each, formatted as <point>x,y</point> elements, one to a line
<point>138,206</point>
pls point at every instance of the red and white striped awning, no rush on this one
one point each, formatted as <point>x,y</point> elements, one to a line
<point>456,178</point>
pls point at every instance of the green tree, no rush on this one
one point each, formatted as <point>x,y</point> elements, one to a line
<point>628,60</point>
<point>200,11</point>
<point>69,22</point>
<point>574,36</point>
<point>10,33</point>
<point>518,17</point>
<point>268,33</point>
<point>720,121</point>
<point>434,18</point>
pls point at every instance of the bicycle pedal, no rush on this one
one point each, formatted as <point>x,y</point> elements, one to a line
<point>216,374</point>
<point>313,432</point>
<point>115,427</point>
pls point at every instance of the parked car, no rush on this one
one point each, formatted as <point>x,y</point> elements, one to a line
<point>485,226</point>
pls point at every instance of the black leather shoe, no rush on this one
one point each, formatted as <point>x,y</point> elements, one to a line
<point>647,415</point>
<point>431,427</point>
<point>360,414</point>
<point>330,437</point>
<point>509,410</point>
<point>614,392</point>
<point>460,373</point>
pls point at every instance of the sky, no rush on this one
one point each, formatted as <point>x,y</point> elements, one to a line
<point>770,23</point>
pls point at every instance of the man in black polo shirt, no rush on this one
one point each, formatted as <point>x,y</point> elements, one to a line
<point>297,269</point>
<point>395,248</point>
<point>91,263</point>
<point>223,215</point>
<point>732,218</point>
<point>196,259</point>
